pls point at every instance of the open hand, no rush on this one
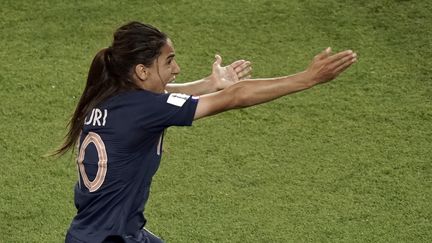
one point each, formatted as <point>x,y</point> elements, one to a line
<point>325,67</point>
<point>228,75</point>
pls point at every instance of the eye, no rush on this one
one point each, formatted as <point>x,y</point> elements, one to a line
<point>170,60</point>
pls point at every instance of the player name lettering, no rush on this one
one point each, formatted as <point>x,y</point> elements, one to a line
<point>96,116</point>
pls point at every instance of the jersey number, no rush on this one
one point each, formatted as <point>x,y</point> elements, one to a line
<point>102,163</point>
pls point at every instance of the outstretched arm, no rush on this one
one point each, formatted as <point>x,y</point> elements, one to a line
<point>323,68</point>
<point>220,78</point>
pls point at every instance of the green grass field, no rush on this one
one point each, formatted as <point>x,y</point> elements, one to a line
<point>349,161</point>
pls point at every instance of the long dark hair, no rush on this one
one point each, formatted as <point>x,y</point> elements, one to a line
<point>111,72</point>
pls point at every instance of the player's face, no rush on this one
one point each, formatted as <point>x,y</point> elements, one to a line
<point>163,70</point>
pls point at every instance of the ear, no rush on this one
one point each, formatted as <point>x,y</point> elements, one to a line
<point>141,72</point>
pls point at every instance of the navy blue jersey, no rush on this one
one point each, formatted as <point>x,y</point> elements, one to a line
<point>119,152</point>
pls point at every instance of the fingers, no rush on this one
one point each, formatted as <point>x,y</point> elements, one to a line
<point>243,66</point>
<point>345,65</point>
<point>347,59</point>
<point>245,74</point>
<point>237,63</point>
<point>240,65</point>
<point>244,70</point>
<point>328,67</point>
<point>338,56</point>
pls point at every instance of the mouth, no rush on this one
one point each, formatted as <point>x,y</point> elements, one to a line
<point>172,79</point>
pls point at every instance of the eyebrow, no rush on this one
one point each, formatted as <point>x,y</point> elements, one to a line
<point>172,55</point>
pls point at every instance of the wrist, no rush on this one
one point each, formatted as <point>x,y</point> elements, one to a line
<point>213,83</point>
<point>307,79</point>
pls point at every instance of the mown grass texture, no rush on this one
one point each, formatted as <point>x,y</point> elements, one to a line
<point>348,161</point>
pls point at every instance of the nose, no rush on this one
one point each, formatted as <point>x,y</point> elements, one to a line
<point>176,68</point>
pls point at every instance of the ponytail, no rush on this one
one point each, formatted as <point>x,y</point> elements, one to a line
<point>97,75</point>
<point>110,72</point>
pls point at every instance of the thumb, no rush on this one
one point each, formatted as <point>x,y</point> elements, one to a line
<point>324,54</point>
<point>218,60</point>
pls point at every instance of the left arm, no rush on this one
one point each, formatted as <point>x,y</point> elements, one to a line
<point>220,78</point>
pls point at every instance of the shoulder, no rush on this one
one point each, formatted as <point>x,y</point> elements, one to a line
<point>144,97</point>
<point>131,98</point>
<point>148,102</point>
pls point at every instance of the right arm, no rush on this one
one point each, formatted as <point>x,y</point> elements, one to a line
<point>256,91</point>
<point>220,78</point>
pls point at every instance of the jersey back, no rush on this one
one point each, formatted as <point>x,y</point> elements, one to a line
<point>120,149</point>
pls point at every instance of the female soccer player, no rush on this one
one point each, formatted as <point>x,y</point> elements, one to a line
<point>127,104</point>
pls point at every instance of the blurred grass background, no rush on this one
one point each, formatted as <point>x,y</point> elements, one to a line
<point>349,161</point>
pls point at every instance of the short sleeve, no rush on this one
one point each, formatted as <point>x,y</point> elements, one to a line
<point>165,110</point>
